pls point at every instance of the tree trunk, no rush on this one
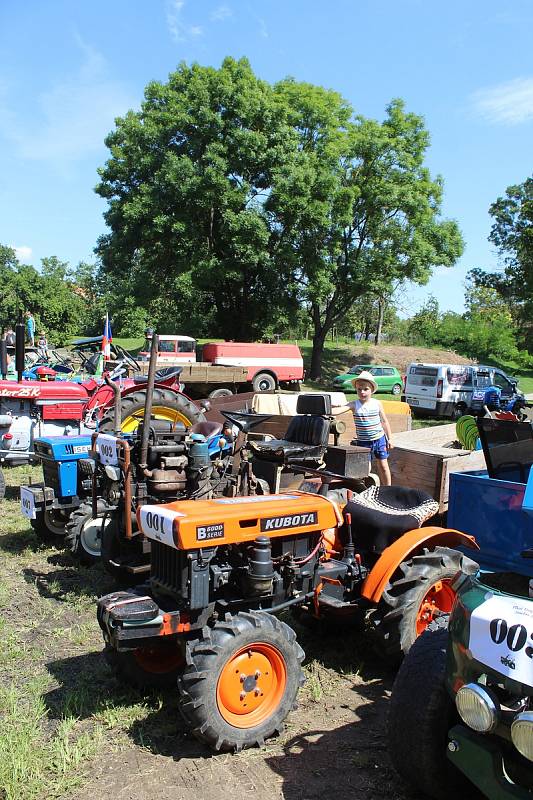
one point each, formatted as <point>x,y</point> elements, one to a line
<point>381,314</point>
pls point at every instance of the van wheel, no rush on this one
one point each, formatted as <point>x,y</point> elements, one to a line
<point>264,382</point>
<point>458,411</point>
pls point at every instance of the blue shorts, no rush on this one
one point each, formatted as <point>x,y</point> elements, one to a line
<point>378,448</point>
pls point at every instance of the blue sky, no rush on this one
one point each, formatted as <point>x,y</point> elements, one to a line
<point>68,68</point>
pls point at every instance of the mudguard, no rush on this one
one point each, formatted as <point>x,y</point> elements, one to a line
<point>405,546</point>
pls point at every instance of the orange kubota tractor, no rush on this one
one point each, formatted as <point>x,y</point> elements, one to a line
<point>222,568</point>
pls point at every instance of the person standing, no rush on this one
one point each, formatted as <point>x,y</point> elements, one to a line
<point>30,329</point>
<point>10,336</point>
<point>372,427</point>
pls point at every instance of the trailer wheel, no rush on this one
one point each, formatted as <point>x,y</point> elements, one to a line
<point>166,404</point>
<point>264,382</point>
<point>421,713</point>
<point>241,680</point>
<point>418,594</point>
<point>49,523</point>
<point>148,667</point>
<point>2,485</point>
<point>219,393</point>
<point>83,534</point>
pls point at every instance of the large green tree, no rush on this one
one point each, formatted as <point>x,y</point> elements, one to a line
<point>264,199</point>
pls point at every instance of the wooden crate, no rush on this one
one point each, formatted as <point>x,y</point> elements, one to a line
<point>423,459</point>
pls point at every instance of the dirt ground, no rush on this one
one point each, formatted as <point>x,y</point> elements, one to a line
<point>334,744</point>
<point>401,356</point>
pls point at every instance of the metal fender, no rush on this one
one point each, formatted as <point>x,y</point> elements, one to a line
<point>398,551</point>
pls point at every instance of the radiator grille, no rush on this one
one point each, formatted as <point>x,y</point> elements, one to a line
<point>51,475</point>
<point>167,567</point>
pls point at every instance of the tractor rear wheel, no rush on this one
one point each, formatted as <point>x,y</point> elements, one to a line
<point>50,523</point>
<point>148,667</point>
<point>83,534</point>
<point>166,405</point>
<point>241,680</point>
<point>417,594</point>
<point>421,713</point>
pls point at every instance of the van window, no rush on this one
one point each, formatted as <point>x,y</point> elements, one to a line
<point>186,347</point>
<point>167,346</point>
<point>501,381</point>
<point>483,378</point>
<point>423,376</point>
<point>459,376</point>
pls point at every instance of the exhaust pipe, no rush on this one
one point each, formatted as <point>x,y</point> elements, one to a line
<point>19,347</point>
<point>148,402</point>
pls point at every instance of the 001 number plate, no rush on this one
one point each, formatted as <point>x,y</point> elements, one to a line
<point>27,502</point>
<point>501,636</point>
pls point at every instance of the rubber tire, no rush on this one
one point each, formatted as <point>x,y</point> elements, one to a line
<point>128,670</point>
<point>133,403</point>
<point>458,411</point>
<point>393,623</point>
<point>115,546</point>
<point>2,485</point>
<point>73,539</point>
<point>219,393</point>
<point>264,382</point>
<point>46,529</point>
<point>207,656</point>
<point>421,713</point>
<point>396,389</point>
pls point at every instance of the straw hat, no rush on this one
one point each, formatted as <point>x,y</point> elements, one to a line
<point>366,376</point>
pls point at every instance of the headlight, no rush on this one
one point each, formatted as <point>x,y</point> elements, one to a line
<point>522,734</point>
<point>477,708</point>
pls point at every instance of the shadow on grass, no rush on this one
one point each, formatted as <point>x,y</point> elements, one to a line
<point>19,541</point>
<point>72,580</point>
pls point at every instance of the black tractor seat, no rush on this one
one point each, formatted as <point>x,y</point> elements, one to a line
<point>307,436</point>
<point>381,514</point>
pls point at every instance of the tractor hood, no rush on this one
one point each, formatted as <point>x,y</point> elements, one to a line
<point>43,390</point>
<point>192,524</point>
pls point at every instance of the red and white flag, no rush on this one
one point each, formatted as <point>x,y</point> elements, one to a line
<point>107,338</point>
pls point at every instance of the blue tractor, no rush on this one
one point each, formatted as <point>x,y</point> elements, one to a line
<point>67,482</point>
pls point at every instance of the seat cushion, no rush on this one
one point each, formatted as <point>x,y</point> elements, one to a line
<point>308,430</point>
<point>381,514</point>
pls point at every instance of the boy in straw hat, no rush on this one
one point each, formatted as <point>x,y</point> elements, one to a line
<point>372,427</point>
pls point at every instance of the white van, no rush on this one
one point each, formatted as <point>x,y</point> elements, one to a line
<point>445,390</point>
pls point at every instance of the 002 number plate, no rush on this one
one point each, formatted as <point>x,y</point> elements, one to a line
<point>501,636</point>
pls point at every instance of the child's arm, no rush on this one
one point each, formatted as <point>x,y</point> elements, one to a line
<point>335,410</point>
<point>386,426</point>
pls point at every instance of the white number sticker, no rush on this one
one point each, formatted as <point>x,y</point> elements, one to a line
<point>158,523</point>
<point>27,502</point>
<point>501,636</point>
<point>106,447</point>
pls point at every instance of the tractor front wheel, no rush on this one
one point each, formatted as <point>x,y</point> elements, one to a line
<point>420,715</point>
<point>148,667</point>
<point>418,594</point>
<point>84,534</point>
<point>50,523</point>
<point>241,680</point>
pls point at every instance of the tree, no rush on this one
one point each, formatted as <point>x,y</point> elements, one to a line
<point>266,198</point>
<point>512,234</point>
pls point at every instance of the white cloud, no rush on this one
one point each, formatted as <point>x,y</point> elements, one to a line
<point>23,253</point>
<point>220,13</point>
<point>70,119</point>
<point>507,103</point>
<point>179,30</point>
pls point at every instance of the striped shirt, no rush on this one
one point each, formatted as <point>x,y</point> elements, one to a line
<point>367,420</point>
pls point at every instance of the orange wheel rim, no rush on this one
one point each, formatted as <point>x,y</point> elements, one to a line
<point>437,600</point>
<point>158,660</point>
<point>251,685</point>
